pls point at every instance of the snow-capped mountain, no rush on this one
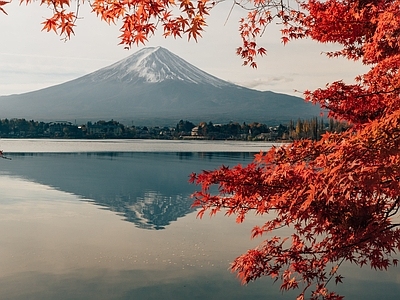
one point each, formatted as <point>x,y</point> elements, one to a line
<point>154,64</point>
<point>154,86</point>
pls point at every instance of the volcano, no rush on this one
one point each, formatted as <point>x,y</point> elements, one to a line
<point>154,86</point>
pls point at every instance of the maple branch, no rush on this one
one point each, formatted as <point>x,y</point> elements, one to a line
<point>76,17</point>
<point>390,213</point>
<point>332,250</point>
<point>78,6</point>
<point>366,238</point>
<point>377,93</point>
<point>334,271</point>
<point>230,12</point>
<point>250,208</point>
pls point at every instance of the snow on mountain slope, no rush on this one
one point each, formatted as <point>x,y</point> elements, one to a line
<point>154,64</point>
<point>154,85</point>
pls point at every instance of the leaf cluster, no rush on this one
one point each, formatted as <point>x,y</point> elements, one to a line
<point>337,195</point>
<point>139,18</point>
<point>2,3</point>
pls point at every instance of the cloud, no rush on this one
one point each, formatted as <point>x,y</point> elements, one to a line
<point>266,83</point>
<point>18,79</point>
<point>22,73</point>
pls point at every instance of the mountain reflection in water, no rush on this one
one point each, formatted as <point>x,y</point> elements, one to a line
<point>148,189</point>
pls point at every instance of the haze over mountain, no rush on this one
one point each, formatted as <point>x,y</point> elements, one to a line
<point>154,86</point>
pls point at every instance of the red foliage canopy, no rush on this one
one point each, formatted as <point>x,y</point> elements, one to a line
<point>340,195</point>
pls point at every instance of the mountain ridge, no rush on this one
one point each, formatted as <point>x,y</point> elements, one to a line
<point>149,65</point>
<point>154,84</point>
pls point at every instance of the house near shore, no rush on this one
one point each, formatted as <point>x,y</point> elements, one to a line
<point>102,128</point>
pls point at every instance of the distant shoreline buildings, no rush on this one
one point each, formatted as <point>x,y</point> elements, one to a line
<point>294,130</point>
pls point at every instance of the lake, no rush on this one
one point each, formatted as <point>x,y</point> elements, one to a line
<point>112,219</point>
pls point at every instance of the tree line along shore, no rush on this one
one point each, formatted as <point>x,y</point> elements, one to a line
<point>293,130</point>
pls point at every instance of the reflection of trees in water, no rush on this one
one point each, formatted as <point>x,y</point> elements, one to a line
<point>109,155</point>
<point>240,156</point>
<point>152,211</point>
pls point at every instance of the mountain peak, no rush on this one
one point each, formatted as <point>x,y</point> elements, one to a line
<point>154,86</point>
<point>152,65</point>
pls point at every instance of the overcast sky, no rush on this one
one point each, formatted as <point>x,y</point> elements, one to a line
<point>31,59</point>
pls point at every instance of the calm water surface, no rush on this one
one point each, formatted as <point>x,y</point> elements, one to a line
<point>113,220</point>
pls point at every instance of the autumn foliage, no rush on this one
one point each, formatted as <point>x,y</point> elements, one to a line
<point>339,196</point>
